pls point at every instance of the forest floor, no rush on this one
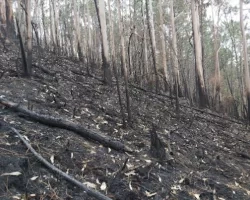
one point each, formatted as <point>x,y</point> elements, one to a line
<point>211,155</point>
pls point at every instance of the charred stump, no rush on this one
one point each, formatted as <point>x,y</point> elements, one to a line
<point>157,148</point>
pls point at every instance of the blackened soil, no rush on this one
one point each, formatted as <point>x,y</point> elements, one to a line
<point>210,154</point>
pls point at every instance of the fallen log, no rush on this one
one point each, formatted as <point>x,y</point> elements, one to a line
<point>67,177</point>
<point>65,124</point>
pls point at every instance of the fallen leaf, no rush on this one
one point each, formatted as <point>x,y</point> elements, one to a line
<point>91,185</point>
<point>103,186</point>
<point>34,178</point>
<point>12,174</point>
<point>148,194</point>
<point>119,124</point>
<point>66,110</point>
<point>130,173</point>
<point>84,166</point>
<point>176,187</point>
<point>26,138</point>
<point>16,197</point>
<point>104,122</point>
<point>92,152</point>
<point>130,186</point>
<point>129,166</point>
<point>182,180</point>
<point>52,159</point>
<point>197,196</point>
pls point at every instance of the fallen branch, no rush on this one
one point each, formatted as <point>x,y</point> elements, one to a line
<point>67,177</point>
<point>65,124</point>
<point>88,75</point>
<point>46,71</point>
<point>153,94</point>
<point>243,155</point>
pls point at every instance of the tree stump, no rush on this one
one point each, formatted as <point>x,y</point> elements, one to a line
<point>157,147</point>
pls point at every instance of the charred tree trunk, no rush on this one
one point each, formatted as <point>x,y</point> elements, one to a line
<point>123,57</point>
<point>105,46</point>
<point>3,31</point>
<point>9,19</point>
<point>245,56</point>
<point>152,40</point>
<point>29,38</point>
<point>203,101</point>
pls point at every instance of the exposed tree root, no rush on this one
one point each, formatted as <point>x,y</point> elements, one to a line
<point>65,124</point>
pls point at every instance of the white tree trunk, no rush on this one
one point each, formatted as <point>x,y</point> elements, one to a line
<point>29,37</point>
<point>112,41</point>
<point>145,41</point>
<point>52,26</point>
<point>105,45</point>
<point>163,44</point>
<point>152,39</point>
<point>198,54</point>
<point>77,31</point>
<point>123,54</point>
<point>245,56</point>
<point>56,23</point>
<point>2,19</point>
<point>90,42</point>
<point>175,55</point>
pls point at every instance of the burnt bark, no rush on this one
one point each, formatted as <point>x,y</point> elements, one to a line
<point>9,19</point>
<point>24,62</point>
<point>157,147</point>
<point>66,124</point>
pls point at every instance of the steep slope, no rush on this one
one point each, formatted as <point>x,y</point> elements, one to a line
<point>210,154</point>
